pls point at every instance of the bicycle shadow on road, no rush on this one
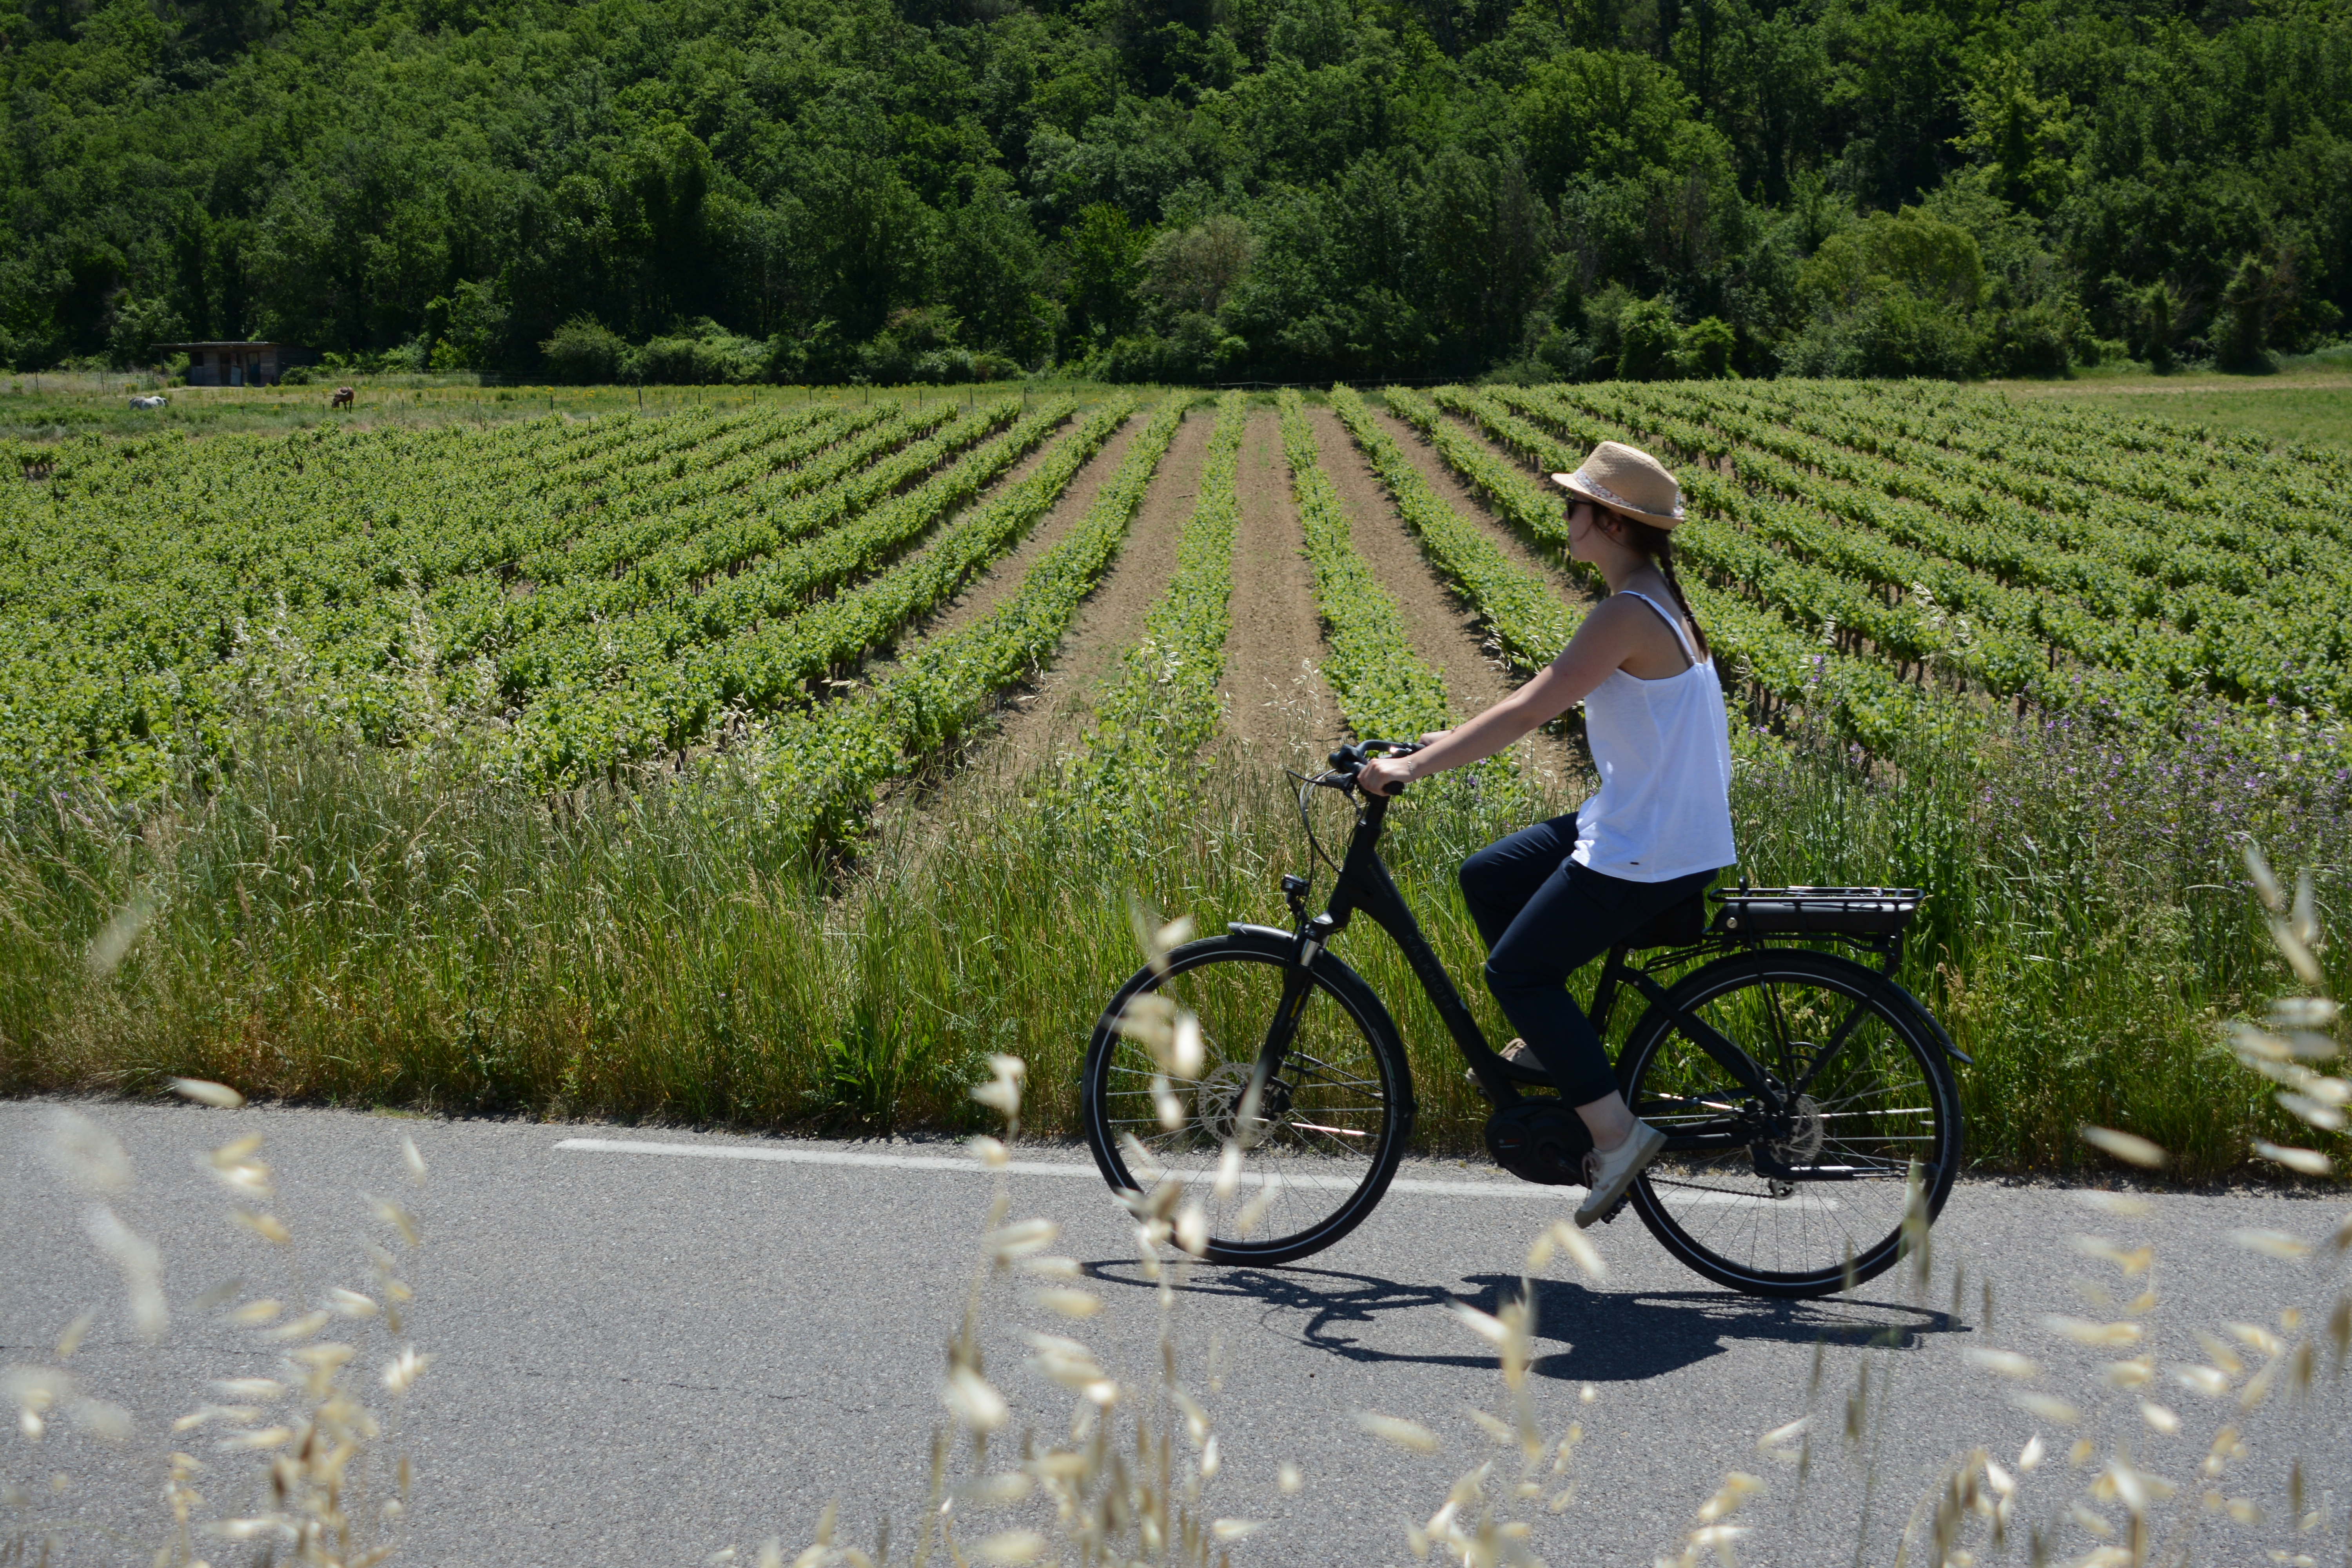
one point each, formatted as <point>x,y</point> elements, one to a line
<point>1603,1336</point>
<point>1626,1336</point>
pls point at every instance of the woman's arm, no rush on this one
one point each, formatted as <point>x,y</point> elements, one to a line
<point>1607,638</point>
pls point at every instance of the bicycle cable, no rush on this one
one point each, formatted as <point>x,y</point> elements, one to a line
<point>1306,819</point>
<point>1338,781</point>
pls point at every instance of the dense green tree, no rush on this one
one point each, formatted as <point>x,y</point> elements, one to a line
<point>1198,188</point>
<point>584,351</point>
<point>1706,348</point>
<point>1611,113</point>
<point>2023,138</point>
<point>1648,342</point>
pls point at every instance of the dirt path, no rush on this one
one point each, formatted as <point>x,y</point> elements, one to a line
<point>1277,701</point>
<point>1041,720</point>
<point>1468,502</point>
<point>909,806</point>
<point>1050,716</point>
<point>980,594</point>
<point>985,592</point>
<point>1036,458</point>
<point>1442,629</point>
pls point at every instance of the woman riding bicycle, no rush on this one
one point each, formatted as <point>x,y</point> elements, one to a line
<point>1550,897</point>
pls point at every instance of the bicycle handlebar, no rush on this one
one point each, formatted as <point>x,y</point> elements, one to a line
<point>1349,761</point>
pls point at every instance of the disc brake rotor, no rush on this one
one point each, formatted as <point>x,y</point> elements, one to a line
<point>1808,1132</point>
<point>1219,1103</point>
<point>1220,1099</point>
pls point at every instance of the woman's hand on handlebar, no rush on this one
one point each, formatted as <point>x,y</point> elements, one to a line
<point>1386,775</point>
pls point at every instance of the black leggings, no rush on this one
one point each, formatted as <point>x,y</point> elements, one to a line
<point>1545,917</point>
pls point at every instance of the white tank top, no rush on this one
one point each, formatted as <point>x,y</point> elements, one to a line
<point>1664,751</point>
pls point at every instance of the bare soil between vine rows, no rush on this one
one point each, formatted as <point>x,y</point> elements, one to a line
<point>1051,714</point>
<point>1442,629</point>
<point>1278,704</point>
<point>997,582</point>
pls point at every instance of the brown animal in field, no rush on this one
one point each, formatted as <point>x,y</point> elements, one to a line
<point>342,397</point>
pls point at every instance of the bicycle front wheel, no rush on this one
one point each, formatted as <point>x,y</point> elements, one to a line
<point>1333,1122</point>
<point>1884,1102</point>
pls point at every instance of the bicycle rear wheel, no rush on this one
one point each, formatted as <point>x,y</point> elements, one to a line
<point>1335,1120</point>
<point>1886,1101</point>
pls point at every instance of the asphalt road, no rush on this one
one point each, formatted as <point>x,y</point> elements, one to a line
<point>643,1356</point>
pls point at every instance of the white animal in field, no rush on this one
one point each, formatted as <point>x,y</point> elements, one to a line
<point>153,400</point>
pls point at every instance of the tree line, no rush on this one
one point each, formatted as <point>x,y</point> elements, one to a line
<point>944,190</point>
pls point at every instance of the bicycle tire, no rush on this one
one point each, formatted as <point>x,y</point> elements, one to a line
<point>1725,1221</point>
<point>1314,1181</point>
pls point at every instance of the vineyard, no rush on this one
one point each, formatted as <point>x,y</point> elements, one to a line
<point>611,764</point>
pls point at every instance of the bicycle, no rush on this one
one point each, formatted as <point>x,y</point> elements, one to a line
<point>1812,1116</point>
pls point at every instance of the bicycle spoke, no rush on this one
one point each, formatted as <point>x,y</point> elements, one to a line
<point>1323,1073</point>
<point>1780,1032</point>
<point>1803,1082</point>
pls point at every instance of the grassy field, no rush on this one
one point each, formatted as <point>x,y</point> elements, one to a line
<point>54,404</point>
<point>2309,398</point>
<point>333,927</point>
<point>773,764</point>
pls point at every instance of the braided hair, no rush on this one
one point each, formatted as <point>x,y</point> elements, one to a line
<point>1657,546</point>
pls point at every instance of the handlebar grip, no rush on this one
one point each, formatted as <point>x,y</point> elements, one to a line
<point>1349,761</point>
<point>1361,753</point>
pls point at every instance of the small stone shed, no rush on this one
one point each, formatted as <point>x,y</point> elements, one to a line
<point>240,364</point>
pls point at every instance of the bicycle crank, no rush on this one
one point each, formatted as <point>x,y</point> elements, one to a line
<point>1539,1140</point>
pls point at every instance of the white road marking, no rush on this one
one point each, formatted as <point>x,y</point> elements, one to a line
<point>965,1165</point>
<point>971,1167</point>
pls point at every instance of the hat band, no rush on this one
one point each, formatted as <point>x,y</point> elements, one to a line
<point>1613,499</point>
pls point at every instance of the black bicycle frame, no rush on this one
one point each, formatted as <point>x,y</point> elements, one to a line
<point>1365,887</point>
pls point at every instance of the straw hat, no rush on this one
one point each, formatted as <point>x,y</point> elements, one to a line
<point>1627,479</point>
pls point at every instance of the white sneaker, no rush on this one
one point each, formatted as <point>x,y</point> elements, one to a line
<point>1610,1174</point>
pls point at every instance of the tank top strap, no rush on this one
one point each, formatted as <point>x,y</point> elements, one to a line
<point>1673,623</point>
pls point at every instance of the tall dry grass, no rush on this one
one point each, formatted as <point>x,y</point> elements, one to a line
<point>1130,1481</point>
<point>319,921</point>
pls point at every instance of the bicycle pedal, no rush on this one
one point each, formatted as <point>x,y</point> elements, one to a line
<point>1616,1208</point>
